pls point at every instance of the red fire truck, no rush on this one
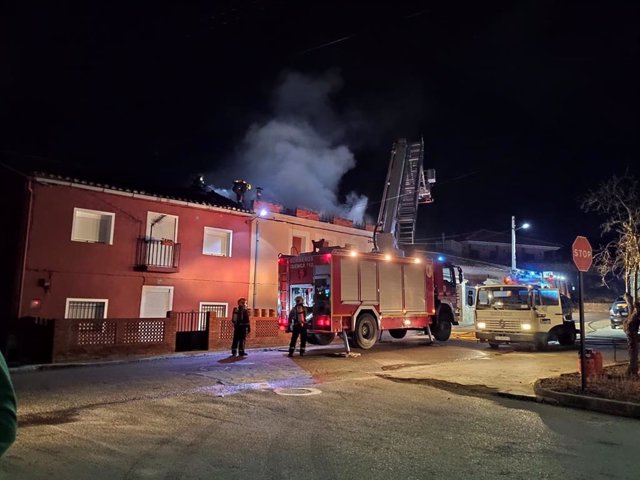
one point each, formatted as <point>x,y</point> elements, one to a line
<point>359,295</point>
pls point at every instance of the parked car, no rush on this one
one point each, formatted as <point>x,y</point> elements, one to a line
<point>618,312</point>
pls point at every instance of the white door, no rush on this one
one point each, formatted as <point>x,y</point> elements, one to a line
<point>156,301</point>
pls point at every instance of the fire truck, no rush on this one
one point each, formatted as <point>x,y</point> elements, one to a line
<point>359,295</point>
<point>528,307</point>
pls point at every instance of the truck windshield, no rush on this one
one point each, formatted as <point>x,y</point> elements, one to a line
<point>503,298</point>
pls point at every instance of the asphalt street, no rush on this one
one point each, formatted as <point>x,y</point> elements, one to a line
<point>405,409</point>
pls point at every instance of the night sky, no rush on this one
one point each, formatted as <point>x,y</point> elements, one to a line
<point>523,106</point>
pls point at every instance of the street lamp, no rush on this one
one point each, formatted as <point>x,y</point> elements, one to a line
<point>513,240</point>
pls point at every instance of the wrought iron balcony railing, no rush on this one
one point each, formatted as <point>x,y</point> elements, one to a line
<point>157,255</point>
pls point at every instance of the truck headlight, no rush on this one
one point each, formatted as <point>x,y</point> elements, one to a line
<point>481,325</point>
<point>525,326</point>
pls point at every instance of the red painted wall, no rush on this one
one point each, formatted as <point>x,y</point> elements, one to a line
<point>91,270</point>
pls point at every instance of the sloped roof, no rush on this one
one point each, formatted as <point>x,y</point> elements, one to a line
<point>184,194</point>
<point>490,236</point>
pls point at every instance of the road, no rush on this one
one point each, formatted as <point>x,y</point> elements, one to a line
<point>402,410</point>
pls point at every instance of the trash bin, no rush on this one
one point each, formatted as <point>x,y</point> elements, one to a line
<point>592,362</point>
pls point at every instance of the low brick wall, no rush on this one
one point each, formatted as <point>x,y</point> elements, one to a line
<point>265,332</point>
<point>76,339</point>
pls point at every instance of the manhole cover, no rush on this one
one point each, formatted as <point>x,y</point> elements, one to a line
<point>297,392</point>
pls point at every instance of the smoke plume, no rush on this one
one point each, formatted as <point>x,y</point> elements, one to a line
<point>299,156</point>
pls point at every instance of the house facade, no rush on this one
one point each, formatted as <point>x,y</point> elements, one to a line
<point>96,252</point>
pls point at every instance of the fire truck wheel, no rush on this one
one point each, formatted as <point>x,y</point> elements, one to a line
<point>494,345</point>
<point>366,333</point>
<point>321,338</point>
<point>567,336</point>
<point>441,328</point>
<point>541,343</point>
<point>398,332</point>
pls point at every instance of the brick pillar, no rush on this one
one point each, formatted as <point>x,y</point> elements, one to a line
<point>170,326</point>
<point>214,332</point>
<point>62,336</point>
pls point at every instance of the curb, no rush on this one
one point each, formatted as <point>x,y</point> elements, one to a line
<point>584,402</point>
<point>517,396</point>
<point>100,363</point>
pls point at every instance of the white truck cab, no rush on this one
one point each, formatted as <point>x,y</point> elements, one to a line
<point>522,314</point>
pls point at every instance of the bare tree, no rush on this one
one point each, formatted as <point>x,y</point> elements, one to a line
<point>618,201</point>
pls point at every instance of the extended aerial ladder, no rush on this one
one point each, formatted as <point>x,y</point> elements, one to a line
<point>404,189</point>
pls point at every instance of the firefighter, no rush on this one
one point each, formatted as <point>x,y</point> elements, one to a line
<point>298,326</point>
<point>241,327</point>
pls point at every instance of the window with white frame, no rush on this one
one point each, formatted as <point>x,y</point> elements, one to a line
<point>92,226</point>
<point>86,308</point>
<point>217,242</point>
<point>221,310</point>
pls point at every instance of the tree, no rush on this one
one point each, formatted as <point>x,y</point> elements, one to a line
<point>618,201</point>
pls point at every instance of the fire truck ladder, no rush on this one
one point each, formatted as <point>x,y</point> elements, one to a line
<point>413,191</point>
<point>404,189</point>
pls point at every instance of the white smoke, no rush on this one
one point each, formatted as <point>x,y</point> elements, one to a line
<point>299,156</point>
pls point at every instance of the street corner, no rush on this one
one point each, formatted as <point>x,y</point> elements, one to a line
<point>585,402</point>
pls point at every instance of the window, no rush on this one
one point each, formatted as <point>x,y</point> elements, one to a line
<point>503,298</point>
<point>86,308</point>
<point>220,310</point>
<point>156,301</point>
<point>92,226</point>
<point>217,242</point>
<point>161,226</point>
<point>297,245</point>
<point>549,297</point>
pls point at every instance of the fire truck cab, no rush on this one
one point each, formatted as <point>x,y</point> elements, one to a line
<point>524,312</point>
<point>359,295</point>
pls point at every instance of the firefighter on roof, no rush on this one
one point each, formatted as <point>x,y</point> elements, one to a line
<point>298,326</point>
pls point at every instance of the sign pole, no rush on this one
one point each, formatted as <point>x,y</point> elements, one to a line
<point>583,360</point>
<point>582,258</point>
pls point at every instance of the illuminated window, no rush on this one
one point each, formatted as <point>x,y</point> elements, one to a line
<point>92,226</point>
<point>217,242</point>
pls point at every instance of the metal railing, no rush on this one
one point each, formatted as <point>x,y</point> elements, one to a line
<point>157,255</point>
<point>193,321</point>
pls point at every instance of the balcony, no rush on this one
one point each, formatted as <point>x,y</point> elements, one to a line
<point>162,256</point>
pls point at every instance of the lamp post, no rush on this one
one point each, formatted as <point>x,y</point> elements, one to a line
<point>513,240</point>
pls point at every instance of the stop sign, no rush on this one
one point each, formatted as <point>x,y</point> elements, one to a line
<point>581,251</point>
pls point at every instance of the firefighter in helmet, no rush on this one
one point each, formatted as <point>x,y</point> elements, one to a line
<point>241,326</point>
<point>298,326</point>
